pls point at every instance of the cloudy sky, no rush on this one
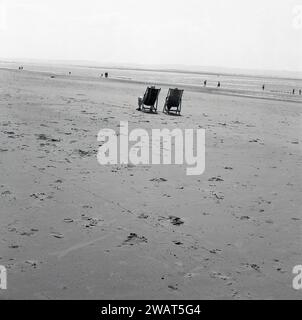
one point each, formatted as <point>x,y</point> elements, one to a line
<point>254,34</point>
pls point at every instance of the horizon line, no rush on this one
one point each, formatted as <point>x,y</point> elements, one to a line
<point>165,67</point>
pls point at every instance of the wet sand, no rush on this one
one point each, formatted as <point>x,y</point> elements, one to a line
<point>73,229</point>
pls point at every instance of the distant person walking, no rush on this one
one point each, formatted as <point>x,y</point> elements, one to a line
<point>263,87</point>
<point>205,83</point>
<point>293,91</point>
<point>218,84</point>
<point>300,92</point>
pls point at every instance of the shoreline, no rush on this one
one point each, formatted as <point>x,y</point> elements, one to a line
<point>189,87</point>
<point>253,72</point>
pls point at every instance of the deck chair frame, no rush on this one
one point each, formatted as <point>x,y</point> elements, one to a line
<point>173,109</point>
<point>150,108</point>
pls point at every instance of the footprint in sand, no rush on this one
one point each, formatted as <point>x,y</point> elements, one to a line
<point>84,153</point>
<point>244,218</point>
<point>218,178</point>
<point>176,221</point>
<point>218,275</point>
<point>178,243</point>
<point>29,233</point>
<point>5,193</point>
<point>253,266</point>
<point>133,239</point>
<point>256,140</point>
<point>41,196</point>
<point>173,287</point>
<point>87,206</point>
<point>89,221</point>
<point>158,179</point>
<point>57,235</point>
<point>217,196</point>
<point>166,195</point>
<point>214,251</point>
<point>143,216</point>
<point>44,137</point>
<point>14,246</point>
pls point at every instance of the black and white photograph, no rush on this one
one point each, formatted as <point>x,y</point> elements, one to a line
<point>150,150</point>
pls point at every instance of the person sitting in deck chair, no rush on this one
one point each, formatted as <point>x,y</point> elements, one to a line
<point>149,101</point>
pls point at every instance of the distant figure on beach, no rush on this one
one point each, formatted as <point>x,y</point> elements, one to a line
<point>69,73</point>
<point>20,68</point>
<point>106,74</point>
<point>263,86</point>
<point>140,103</point>
<point>293,91</point>
<point>218,84</point>
<point>300,92</point>
<point>205,83</point>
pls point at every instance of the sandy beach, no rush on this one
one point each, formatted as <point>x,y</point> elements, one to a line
<point>73,229</point>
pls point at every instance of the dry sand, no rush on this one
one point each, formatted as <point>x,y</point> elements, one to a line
<point>71,228</point>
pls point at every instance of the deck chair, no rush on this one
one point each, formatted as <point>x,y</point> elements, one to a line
<point>150,100</point>
<point>173,101</point>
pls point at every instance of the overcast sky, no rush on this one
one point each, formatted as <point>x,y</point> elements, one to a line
<point>258,34</point>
